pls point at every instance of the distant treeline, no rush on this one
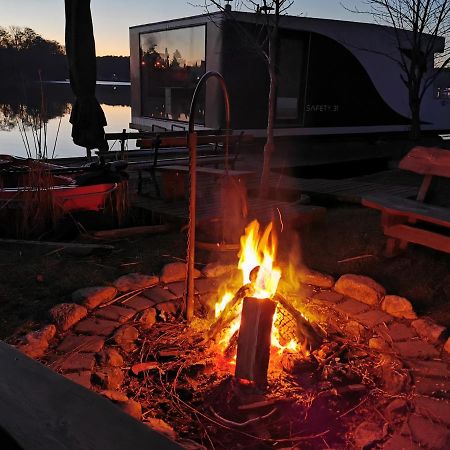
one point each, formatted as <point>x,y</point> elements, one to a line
<point>27,56</point>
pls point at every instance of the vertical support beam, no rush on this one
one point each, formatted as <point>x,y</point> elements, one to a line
<point>122,144</point>
<point>253,348</point>
<point>189,288</point>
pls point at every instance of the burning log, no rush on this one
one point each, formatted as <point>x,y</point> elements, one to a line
<point>226,317</point>
<point>305,331</point>
<point>253,349</point>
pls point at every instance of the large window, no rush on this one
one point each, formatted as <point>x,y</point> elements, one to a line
<point>291,67</point>
<point>172,62</point>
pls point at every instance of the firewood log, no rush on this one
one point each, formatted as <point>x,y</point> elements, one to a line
<point>227,316</point>
<point>304,329</point>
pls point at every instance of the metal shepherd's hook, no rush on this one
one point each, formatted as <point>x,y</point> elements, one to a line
<point>192,145</point>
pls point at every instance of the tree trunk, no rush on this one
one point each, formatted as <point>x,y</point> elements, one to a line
<point>271,106</point>
<point>414,104</point>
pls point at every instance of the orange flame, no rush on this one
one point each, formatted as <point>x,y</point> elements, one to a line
<point>259,252</point>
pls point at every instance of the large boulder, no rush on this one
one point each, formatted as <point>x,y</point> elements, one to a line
<point>36,343</point>
<point>398,307</point>
<point>315,278</point>
<point>65,315</point>
<point>428,329</point>
<point>125,337</point>
<point>91,297</point>
<point>175,272</point>
<point>361,288</point>
<point>135,281</point>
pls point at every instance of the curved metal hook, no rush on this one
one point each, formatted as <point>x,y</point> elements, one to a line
<point>192,145</point>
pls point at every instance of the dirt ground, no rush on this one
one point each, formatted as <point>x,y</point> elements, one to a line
<point>349,240</point>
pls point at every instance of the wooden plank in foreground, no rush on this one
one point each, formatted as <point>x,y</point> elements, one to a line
<point>42,410</point>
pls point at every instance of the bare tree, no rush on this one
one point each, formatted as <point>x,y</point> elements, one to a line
<point>425,22</point>
<point>265,44</point>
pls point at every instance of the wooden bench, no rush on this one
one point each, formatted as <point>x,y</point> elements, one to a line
<point>416,221</point>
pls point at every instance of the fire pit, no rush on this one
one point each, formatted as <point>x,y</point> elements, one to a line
<point>276,356</point>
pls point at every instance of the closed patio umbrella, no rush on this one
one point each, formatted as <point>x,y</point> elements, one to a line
<point>87,118</point>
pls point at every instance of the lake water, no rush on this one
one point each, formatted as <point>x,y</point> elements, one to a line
<point>20,108</point>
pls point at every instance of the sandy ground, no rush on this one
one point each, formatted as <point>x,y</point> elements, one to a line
<point>349,240</point>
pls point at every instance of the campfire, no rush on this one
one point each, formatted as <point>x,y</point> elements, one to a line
<point>257,321</point>
<point>276,355</point>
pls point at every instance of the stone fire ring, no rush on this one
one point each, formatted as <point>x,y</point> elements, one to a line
<point>90,332</point>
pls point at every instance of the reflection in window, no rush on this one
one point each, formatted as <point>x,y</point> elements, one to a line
<point>291,59</point>
<point>172,62</point>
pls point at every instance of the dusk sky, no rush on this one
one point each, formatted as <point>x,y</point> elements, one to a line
<point>112,18</point>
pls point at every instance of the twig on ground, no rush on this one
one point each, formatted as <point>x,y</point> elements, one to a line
<point>231,423</point>
<point>355,258</point>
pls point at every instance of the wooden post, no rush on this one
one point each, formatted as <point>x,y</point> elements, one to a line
<point>253,348</point>
<point>189,288</point>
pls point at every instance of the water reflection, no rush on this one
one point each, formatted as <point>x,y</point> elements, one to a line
<point>23,110</point>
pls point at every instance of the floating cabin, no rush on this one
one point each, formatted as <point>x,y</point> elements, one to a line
<point>335,77</point>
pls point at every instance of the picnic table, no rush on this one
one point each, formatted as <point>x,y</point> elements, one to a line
<point>416,220</point>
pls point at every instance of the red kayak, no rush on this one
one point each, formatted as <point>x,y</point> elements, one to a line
<point>24,179</point>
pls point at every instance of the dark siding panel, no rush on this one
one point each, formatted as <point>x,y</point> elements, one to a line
<point>340,92</point>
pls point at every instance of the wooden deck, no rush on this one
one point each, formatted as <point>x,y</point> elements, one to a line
<point>347,190</point>
<point>264,211</point>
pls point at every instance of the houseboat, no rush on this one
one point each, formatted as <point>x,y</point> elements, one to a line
<point>335,77</point>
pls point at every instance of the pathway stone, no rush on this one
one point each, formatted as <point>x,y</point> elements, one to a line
<point>176,271</point>
<point>216,269</point>
<point>116,313</point>
<point>396,332</point>
<point>161,427</point>
<point>428,368</point>
<point>351,307</point>
<point>373,318</point>
<point>328,296</point>
<point>428,329</point>
<point>109,379</point>
<point>416,349</point>
<point>168,308</point>
<point>368,433</point>
<point>115,396</point>
<point>134,281</point>
<point>396,410</point>
<point>315,278</point>
<point>147,318</point>
<point>399,442</point>
<point>65,315</point>
<point>139,303</point>
<point>158,294</point>
<point>132,408</point>
<point>398,307</point>
<point>110,357</point>
<point>125,337</point>
<point>395,379</point>
<point>438,387</point>
<point>437,410</point>
<point>177,289</point>
<point>35,343</point>
<point>82,378</point>
<point>93,326</point>
<point>428,433</point>
<point>206,285</point>
<point>91,297</point>
<point>82,344</point>
<point>361,288</point>
<point>76,362</point>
